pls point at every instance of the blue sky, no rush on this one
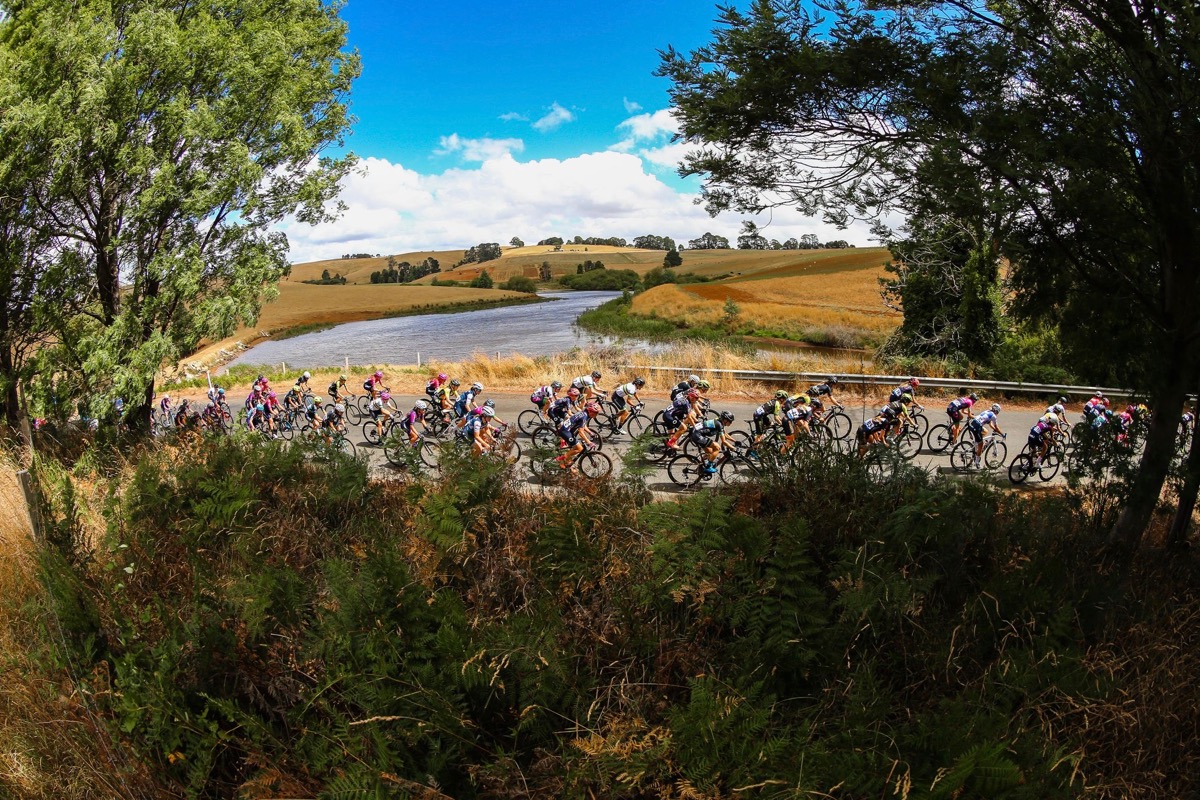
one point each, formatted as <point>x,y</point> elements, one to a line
<point>483,121</point>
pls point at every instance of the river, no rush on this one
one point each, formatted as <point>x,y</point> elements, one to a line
<point>533,330</point>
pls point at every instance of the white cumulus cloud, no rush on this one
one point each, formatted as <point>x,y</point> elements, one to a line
<point>394,209</point>
<point>630,106</point>
<point>555,118</point>
<point>478,149</point>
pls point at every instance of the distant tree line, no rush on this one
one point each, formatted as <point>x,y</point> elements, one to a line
<point>404,272</point>
<point>485,251</point>
<point>327,279</point>
<point>360,255</point>
<point>751,239</point>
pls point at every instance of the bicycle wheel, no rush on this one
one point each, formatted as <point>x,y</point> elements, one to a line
<point>839,424</point>
<point>364,405</point>
<point>346,446</point>
<point>427,452</point>
<point>545,437</point>
<point>909,444</point>
<point>1050,465</point>
<point>394,449</point>
<point>995,454</point>
<point>594,464</point>
<point>685,471</point>
<point>1021,468</point>
<point>659,424</point>
<point>353,415</point>
<point>939,438</point>
<point>636,424</point>
<point>370,431</point>
<point>962,457</point>
<point>920,423</point>
<point>529,420</point>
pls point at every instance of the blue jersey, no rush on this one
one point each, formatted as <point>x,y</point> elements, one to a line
<point>986,418</point>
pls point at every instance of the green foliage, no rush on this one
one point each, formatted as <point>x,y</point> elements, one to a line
<point>266,612</point>
<point>612,280</point>
<point>519,283</point>
<point>482,281</point>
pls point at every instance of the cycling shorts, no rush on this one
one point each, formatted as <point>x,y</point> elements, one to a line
<point>618,400</point>
<point>568,436</point>
<point>976,430</point>
<point>762,423</point>
<point>955,415</point>
<point>700,440</point>
<point>670,418</point>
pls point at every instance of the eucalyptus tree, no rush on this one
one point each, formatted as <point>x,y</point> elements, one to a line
<point>173,134</point>
<point>1083,111</point>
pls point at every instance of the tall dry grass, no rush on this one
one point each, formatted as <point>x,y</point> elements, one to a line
<point>51,746</point>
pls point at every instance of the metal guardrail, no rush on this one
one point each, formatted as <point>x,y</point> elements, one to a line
<point>766,376</point>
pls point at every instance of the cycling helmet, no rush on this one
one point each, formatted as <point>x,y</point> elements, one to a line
<point>1130,409</point>
<point>556,385</point>
<point>385,396</point>
<point>995,408</point>
<point>727,417</point>
<point>815,403</point>
<point>220,392</point>
<point>490,404</point>
<point>693,395</point>
<point>973,397</point>
<point>378,375</point>
<point>639,382</point>
<point>704,386</point>
<point>318,401</point>
<point>906,398</point>
<point>592,409</point>
<point>455,382</point>
<point>693,379</point>
<point>339,408</point>
<point>443,377</point>
<point>260,378</point>
<point>587,381</point>
<point>259,407</point>
<point>420,405</point>
<point>307,375</point>
<point>832,380</point>
<point>476,387</point>
<point>573,393</point>
<point>342,377</point>
<point>166,397</point>
<point>913,382</point>
<point>781,395</point>
<point>1062,400</point>
<point>487,412</point>
<point>595,374</point>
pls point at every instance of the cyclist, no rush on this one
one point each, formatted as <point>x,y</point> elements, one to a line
<point>446,397</point>
<point>710,436</point>
<point>1059,410</point>
<point>333,423</point>
<point>586,385</point>
<point>681,415</point>
<point>626,400</point>
<point>895,414</point>
<point>436,383</point>
<point>1095,406</point>
<point>477,410</point>
<point>825,390</point>
<point>544,396</point>
<point>871,432</point>
<point>465,401</point>
<point>256,417</point>
<point>795,419</point>
<point>575,434</point>
<point>164,405</point>
<point>908,387</point>
<point>302,382</point>
<point>768,414</point>
<point>957,409</point>
<point>181,414</point>
<point>293,400</point>
<point>685,386</point>
<point>478,431</point>
<point>559,409</point>
<point>408,423</point>
<point>337,390</point>
<point>976,426</point>
<point>373,385</point>
<point>379,411</point>
<point>1039,442</point>
<point>314,414</point>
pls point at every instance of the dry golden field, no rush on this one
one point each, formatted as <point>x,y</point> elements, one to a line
<point>830,295</point>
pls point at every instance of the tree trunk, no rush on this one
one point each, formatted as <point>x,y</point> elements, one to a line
<point>10,406</point>
<point>1148,481</point>
<point>138,414</point>
<point>1182,522</point>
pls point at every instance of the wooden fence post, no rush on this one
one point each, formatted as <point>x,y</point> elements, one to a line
<point>31,504</point>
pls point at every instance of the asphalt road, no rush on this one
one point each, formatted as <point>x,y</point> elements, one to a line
<point>1015,422</point>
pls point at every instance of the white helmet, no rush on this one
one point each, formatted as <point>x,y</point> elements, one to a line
<point>487,412</point>
<point>339,408</point>
<point>477,387</point>
<point>995,408</point>
<point>693,379</point>
<point>420,405</point>
<point>307,375</point>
